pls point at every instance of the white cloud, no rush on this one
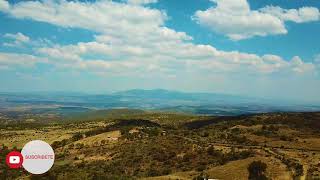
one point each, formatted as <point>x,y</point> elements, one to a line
<point>167,58</point>
<point>4,5</point>
<point>236,20</point>
<point>300,67</point>
<point>133,40</point>
<point>301,15</point>
<point>142,1</point>
<point>19,60</point>
<point>17,39</point>
<point>101,16</point>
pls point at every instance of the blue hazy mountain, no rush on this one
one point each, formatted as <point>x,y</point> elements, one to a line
<point>158,99</point>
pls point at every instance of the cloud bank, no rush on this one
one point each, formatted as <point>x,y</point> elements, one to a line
<point>132,41</point>
<point>142,43</point>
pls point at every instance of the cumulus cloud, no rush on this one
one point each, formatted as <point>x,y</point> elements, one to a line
<point>300,67</point>
<point>101,16</point>
<point>16,39</point>
<point>19,60</point>
<point>134,39</point>
<point>236,20</point>
<point>301,15</point>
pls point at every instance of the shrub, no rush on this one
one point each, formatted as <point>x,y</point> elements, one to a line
<point>257,170</point>
<point>201,168</point>
<point>103,142</point>
<point>211,151</point>
<point>79,145</point>
<point>153,172</point>
<point>77,136</point>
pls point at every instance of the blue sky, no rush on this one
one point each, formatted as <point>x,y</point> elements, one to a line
<point>258,48</point>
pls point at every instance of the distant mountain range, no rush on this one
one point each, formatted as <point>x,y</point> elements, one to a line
<point>158,99</point>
